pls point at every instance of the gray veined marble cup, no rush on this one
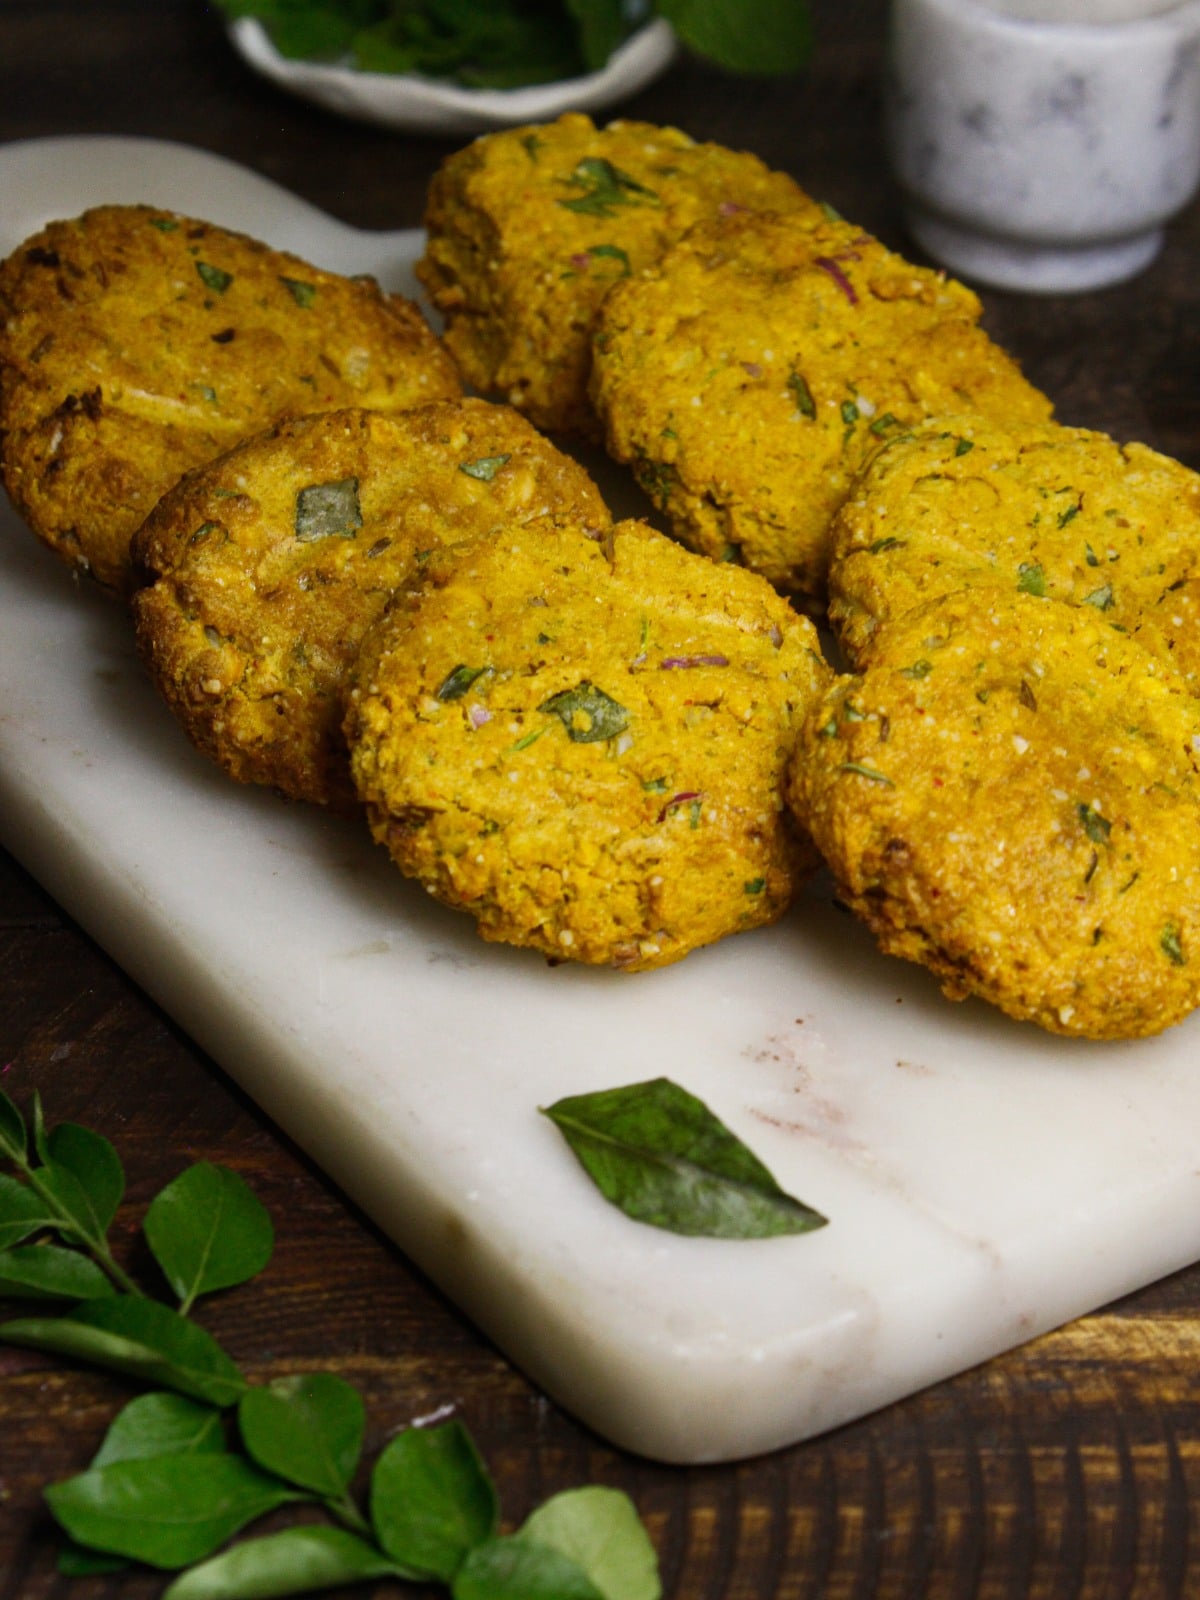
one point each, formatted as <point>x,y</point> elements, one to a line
<point>1042,144</point>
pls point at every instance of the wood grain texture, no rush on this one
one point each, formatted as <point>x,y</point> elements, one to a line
<point>1068,1470</point>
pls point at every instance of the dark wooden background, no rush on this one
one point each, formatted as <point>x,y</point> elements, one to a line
<point>1069,1468</point>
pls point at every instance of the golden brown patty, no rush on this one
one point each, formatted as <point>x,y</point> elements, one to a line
<point>530,228</point>
<point>135,343</point>
<point>582,743</point>
<point>267,566</point>
<point>1009,796</point>
<point>747,377</point>
<point>1052,511</point>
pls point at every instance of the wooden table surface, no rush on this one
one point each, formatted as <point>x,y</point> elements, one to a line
<point>1067,1468</point>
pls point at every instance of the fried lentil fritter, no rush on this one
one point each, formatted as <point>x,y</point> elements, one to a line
<point>529,228</point>
<point>747,376</point>
<point>266,567</point>
<point>583,743</point>
<point>136,343</point>
<point>1047,510</point>
<point>1009,796</point>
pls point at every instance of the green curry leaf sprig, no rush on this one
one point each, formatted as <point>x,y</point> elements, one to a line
<point>188,1465</point>
<point>506,44</point>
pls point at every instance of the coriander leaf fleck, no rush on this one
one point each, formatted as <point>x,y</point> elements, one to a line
<point>1031,579</point>
<point>587,713</point>
<point>802,394</point>
<point>863,771</point>
<point>214,278</point>
<point>605,187</point>
<point>1096,827</point>
<point>485,468</point>
<point>457,682</point>
<point>302,293</point>
<point>612,252</point>
<point>1171,944</point>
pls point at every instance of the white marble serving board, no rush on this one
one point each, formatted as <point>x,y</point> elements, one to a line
<point>984,1181</point>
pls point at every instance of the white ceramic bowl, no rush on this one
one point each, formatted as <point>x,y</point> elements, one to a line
<point>424,105</point>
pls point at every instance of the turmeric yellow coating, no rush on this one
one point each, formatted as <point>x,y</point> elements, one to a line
<point>528,229</point>
<point>266,567</point>
<point>583,742</point>
<point>1061,512</point>
<point>136,343</point>
<point>1009,795</point>
<point>747,377</point>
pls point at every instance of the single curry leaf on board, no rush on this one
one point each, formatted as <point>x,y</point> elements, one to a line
<point>307,1429</point>
<point>518,1569</point>
<point>600,1531</point>
<point>660,1155</point>
<point>165,1510</point>
<point>160,1424</point>
<point>432,1499</point>
<point>48,1272</point>
<point>208,1230</point>
<point>296,1561</point>
<point>130,1334</point>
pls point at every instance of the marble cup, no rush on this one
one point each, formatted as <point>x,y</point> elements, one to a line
<point>1041,145</point>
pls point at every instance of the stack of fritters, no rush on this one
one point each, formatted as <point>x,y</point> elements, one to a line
<point>1008,791</point>
<point>748,376</point>
<point>362,590</point>
<point>529,229</point>
<point>136,343</point>
<point>264,569</point>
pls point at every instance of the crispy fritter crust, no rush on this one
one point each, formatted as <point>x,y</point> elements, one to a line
<point>1009,796</point>
<point>583,743</point>
<point>266,567</point>
<point>1052,511</point>
<point>529,229</point>
<point>748,375</point>
<point>136,343</point>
